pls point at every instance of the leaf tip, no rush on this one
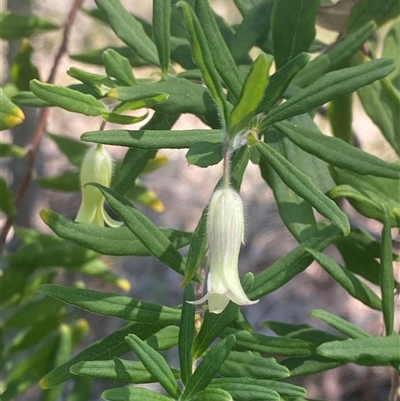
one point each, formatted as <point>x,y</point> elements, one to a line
<point>45,215</point>
<point>124,284</point>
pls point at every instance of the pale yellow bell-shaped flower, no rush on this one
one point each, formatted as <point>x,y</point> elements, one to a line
<point>225,233</point>
<point>96,167</point>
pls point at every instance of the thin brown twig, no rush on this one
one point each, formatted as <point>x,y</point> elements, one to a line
<point>42,121</point>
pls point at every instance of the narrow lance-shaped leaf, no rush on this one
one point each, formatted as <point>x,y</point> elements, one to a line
<point>203,58</point>
<point>161,30</point>
<point>210,364</point>
<point>116,369</point>
<point>251,95</point>
<point>337,152</point>
<point>345,327</point>
<point>186,334</point>
<point>386,275</point>
<point>330,86</point>
<point>105,348</point>
<point>133,393</point>
<point>128,29</point>
<point>304,187</point>
<point>6,198</point>
<point>373,350</point>
<point>11,150</point>
<point>280,81</point>
<point>355,287</point>
<point>150,235</point>
<point>112,304</point>
<point>149,139</point>
<point>68,99</point>
<point>118,67</point>
<point>221,55</point>
<point>155,364</point>
<point>335,57</point>
<point>293,28</point>
<point>108,241</point>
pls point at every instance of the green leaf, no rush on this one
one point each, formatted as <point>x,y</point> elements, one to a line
<point>340,114</point>
<point>303,186</point>
<point>73,149</point>
<point>128,29</point>
<point>67,99</point>
<point>132,394</point>
<point>336,57</point>
<point>161,30</point>
<point>345,327</point>
<point>254,29</point>
<point>293,28</point>
<point>291,264</point>
<point>108,241</point>
<point>308,365</point>
<point>106,303</point>
<point>359,251</point>
<point>6,199</point>
<point>295,212</point>
<point>386,275</point>
<point>374,350</point>
<point>186,334</point>
<point>390,49</point>
<point>100,83</point>
<point>330,86</point>
<point>118,67</point>
<point>211,394</point>
<point>213,325</point>
<point>95,56</point>
<point>22,69</point>
<point>152,139</point>
<point>141,194</point>
<point>251,95</point>
<point>382,103</point>
<point>348,280</point>
<point>10,114</point>
<point>117,369</point>
<point>208,367</point>
<point>279,82</point>
<point>155,364</point>
<point>184,97</point>
<point>204,154</point>
<point>103,349</point>
<point>246,364</point>
<point>11,150</point>
<point>221,55</point>
<point>197,249</point>
<point>380,11</point>
<point>256,342</point>
<point>67,182</point>
<point>122,119</point>
<point>28,99</point>
<point>203,58</point>
<point>164,339</point>
<point>15,26</point>
<point>283,389</point>
<point>368,193</point>
<point>301,332</point>
<point>149,234</point>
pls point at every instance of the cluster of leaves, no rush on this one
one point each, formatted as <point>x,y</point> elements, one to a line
<point>305,169</point>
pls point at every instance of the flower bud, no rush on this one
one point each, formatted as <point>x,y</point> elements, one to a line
<point>225,233</point>
<point>96,167</point>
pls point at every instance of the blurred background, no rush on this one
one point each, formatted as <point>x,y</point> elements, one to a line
<point>184,191</point>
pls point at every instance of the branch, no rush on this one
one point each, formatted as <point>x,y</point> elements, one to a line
<point>43,117</point>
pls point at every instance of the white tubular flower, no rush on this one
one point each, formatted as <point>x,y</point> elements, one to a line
<point>225,233</point>
<point>96,167</point>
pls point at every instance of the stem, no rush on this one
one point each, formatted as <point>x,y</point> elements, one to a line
<point>43,117</point>
<point>227,162</point>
